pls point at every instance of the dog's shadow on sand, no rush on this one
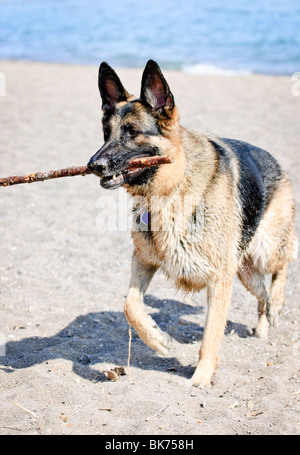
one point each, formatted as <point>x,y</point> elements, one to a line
<point>102,337</point>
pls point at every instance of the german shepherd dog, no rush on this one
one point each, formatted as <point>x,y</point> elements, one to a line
<point>239,218</point>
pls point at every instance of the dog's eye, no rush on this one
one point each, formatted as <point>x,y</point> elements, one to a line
<point>132,132</point>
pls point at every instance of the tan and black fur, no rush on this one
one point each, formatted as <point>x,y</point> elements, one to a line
<point>239,218</point>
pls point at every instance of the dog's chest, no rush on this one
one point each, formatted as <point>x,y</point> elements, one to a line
<point>175,244</point>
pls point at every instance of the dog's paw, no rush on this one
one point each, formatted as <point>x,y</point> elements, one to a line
<point>153,337</point>
<point>203,375</point>
<point>147,329</point>
<point>158,341</point>
<point>273,314</point>
<point>273,318</point>
<point>262,328</point>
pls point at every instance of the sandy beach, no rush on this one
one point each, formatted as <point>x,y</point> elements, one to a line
<point>63,279</point>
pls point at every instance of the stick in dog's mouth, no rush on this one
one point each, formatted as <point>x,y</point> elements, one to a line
<point>148,161</point>
<point>135,166</point>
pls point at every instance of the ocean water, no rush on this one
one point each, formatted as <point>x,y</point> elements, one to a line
<point>193,35</point>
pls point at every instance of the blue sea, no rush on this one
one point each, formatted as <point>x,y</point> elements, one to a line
<point>211,36</point>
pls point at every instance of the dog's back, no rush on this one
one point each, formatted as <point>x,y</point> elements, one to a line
<point>259,176</point>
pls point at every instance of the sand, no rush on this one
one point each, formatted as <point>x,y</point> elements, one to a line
<point>64,278</point>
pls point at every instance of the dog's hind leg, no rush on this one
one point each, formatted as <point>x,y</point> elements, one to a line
<point>255,283</point>
<point>141,275</point>
<point>276,300</point>
<point>270,251</point>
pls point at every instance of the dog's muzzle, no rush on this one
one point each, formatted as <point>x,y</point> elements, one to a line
<point>111,178</point>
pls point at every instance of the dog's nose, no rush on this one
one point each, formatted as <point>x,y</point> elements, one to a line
<point>98,166</point>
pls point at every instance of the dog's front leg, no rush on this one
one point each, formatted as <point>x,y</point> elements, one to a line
<point>218,294</point>
<point>141,275</point>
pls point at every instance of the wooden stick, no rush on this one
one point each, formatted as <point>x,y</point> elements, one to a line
<point>129,353</point>
<point>41,176</point>
<point>148,161</point>
<point>79,170</point>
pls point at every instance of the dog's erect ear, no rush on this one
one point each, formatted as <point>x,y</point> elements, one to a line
<point>155,90</point>
<point>110,87</point>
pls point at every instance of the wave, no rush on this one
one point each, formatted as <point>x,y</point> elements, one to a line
<point>207,69</point>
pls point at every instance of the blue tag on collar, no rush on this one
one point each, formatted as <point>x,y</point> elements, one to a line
<point>145,218</point>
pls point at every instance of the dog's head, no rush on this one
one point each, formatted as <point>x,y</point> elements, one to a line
<point>134,128</point>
